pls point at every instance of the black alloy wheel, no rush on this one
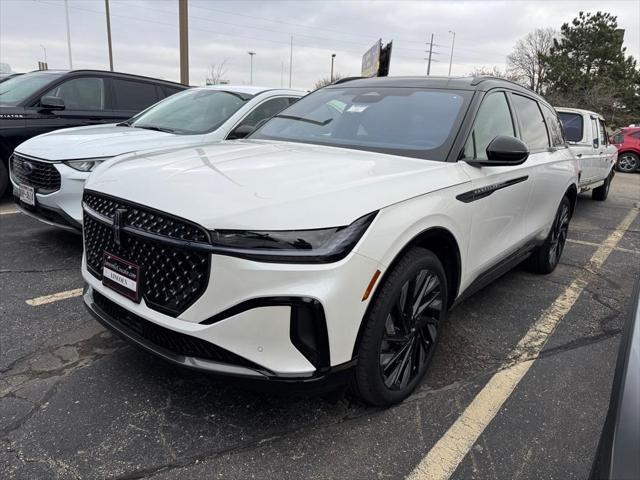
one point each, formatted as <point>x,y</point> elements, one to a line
<point>400,330</point>
<point>559,233</point>
<point>410,330</point>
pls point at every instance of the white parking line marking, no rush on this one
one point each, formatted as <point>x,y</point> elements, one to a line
<point>593,244</point>
<point>445,456</point>
<point>54,297</point>
<point>8,211</point>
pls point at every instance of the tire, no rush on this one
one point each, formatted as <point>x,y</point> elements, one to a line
<point>395,350</point>
<point>4,178</point>
<point>546,257</point>
<point>602,192</point>
<point>628,162</point>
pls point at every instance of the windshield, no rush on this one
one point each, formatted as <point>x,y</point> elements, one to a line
<point>17,89</point>
<point>414,122</point>
<point>190,112</point>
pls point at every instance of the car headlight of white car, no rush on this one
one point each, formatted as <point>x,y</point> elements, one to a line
<point>85,165</point>
<point>292,246</point>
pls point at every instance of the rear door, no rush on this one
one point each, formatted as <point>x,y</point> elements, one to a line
<point>130,97</point>
<point>608,153</point>
<point>497,228</point>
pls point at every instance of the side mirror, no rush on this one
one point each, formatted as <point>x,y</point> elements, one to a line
<point>240,132</point>
<point>503,151</point>
<point>51,103</point>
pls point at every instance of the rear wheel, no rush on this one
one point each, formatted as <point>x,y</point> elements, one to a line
<point>4,178</point>
<point>401,329</point>
<point>545,258</point>
<point>628,162</point>
<point>602,192</point>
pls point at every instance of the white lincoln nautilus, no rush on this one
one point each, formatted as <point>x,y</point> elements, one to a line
<point>331,243</point>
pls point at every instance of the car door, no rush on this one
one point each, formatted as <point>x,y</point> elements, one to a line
<point>259,115</point>
<point>497,228</point>
<point>608,153</point>
<point>130,97</point>
<point>85,102</point>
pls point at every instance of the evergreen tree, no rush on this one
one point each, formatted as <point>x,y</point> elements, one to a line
<point>587,67</point>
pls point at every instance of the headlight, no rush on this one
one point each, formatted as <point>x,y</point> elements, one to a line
<point>84,165</point>
<point>292,246</point>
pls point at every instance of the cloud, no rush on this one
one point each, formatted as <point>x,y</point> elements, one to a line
<point>145,34</point>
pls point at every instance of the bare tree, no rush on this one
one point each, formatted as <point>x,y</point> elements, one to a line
<point>324,81</point>
<point>216,73</point>
<point>526,62</point>
<point>493,72</point>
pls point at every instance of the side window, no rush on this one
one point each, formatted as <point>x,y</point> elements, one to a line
<point>635,135</point>
<point>603,133</point>
<point>534,131</point>
<point>573,125</point>
<point>553,124</point>
<point>167,91</point>
<point>84,93</point>
<point>493,119</point>
<point>594,131</point>
<point>130,95</point>
<point>265,110</point>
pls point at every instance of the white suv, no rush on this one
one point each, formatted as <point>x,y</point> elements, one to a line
<point>334,239</point>
<point>48,171</point>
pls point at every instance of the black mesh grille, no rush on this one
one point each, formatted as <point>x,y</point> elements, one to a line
<point>175,342</point>
<point>172,278</point>
<point>42,176</point>
<point>146,219</point>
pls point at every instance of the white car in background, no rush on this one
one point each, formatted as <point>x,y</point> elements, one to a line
<point>587,136</point>
<point>48,171</point>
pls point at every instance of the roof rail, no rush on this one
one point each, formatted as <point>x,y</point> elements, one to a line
<point>481,78</point>
<point>346,79</point>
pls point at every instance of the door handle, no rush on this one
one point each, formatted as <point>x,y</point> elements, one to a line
<point>579,155</point>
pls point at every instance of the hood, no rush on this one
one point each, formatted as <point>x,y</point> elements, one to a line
<point>270,185</point>
<point>98,142</point>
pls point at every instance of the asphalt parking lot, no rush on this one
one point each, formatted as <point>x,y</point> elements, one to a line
<point>76,402</point>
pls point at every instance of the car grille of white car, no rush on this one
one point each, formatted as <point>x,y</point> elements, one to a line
<point>173,276</point>
<point>42,176</point>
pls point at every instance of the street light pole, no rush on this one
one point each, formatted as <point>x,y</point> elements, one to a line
<point>66,12</point>
<point>453,42</point>
<point>251,54</point>
<point>183,23</point>
<point>106,11</point>
<point>333,56</point>
<point>45,53</point>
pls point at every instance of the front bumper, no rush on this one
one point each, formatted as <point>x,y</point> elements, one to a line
<point>62,208</point>
<point>166,344</point>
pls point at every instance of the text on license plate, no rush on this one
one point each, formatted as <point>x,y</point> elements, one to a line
<point>121,276</point>
<point>27,195</point>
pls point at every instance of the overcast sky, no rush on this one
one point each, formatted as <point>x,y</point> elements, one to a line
<point>145,34</point>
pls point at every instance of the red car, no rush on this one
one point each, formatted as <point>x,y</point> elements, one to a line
<point>627,141</point>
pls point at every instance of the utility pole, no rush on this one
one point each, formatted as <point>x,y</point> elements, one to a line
<point>291,61</point>
<point>431,53</point>
<point>106,11</point>
<point>333,56</point>
<point>66,12</point>
<point>251,54</point>
<point>453,42</point>
<point>183,15</point>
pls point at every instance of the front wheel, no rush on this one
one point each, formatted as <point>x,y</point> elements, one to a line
<point>546,257</point>
<point>628,162</point>
<point>401,329</point>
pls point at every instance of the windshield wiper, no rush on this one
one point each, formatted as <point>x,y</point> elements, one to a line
<point>124,124</point>
<point>153,127</point>
<point>307,120</point>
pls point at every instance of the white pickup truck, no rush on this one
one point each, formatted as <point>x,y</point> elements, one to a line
<point>588,140</point>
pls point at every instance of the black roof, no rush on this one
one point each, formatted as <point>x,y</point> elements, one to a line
<point>482,83</point>
<point>107,72</point>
